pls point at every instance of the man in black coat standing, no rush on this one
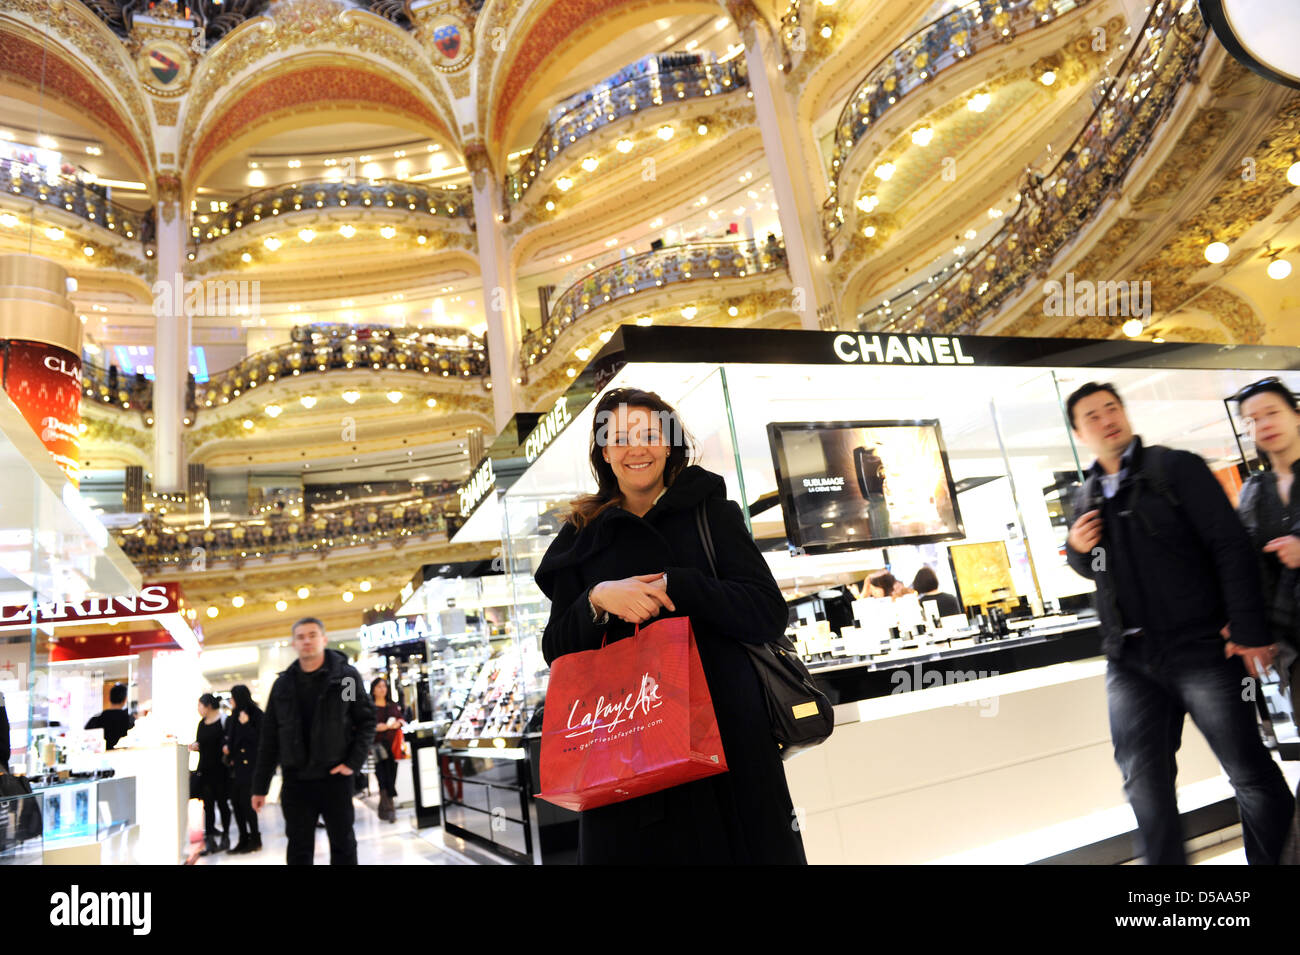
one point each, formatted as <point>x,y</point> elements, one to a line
<point>1174,569</point>
<point>318,727</point>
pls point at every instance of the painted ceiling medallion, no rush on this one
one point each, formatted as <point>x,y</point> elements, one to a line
<point>165,50</point>
<point>445,25</point>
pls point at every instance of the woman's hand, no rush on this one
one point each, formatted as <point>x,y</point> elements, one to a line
<point>194,747</point>
<point>1287,550</point>
<point>633,599</point>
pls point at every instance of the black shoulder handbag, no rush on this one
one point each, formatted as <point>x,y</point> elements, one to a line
<point>801,715</point>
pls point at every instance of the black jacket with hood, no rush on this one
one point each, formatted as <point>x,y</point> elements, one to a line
<point>1171,538</point>
<point>744,815</point>
<point>1281,583</point>
<point>342,726</point>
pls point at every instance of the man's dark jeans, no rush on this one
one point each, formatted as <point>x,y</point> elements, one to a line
<point>1149,691</point>
<point>302,800</point>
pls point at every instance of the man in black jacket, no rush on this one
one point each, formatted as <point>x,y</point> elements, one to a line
<point>318,727</point>
<point>1173,568</point>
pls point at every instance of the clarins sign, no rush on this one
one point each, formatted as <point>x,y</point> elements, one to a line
<point>153,600</point>
<point>901,350</point>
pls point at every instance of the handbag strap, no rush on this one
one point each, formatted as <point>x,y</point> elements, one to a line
<point>706,537</point>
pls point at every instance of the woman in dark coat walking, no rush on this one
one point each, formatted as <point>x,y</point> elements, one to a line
<point>631,553</point>
<point>242,729</point>
<point>209,742</point>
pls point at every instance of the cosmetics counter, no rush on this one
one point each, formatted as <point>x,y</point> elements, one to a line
<point>857,455</point>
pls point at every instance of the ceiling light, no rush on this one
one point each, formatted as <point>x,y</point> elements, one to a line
<point>8,220</point>
<point>431,402</point>
<point>624,145</point>
<point>688,312</point>
<point>702,129</point>
<point>572,373</point>
<point>281,606</point>
<point>271,242</point>
<point>605,336</point>
<point>733,311</point>
<point>365,586</point>
<point>590,163</point>
<point>979,102</point>
<point>388,232</point>
<point>236,602</point>
<point>970,233</point>
<point>583,353</point>
<point>246,257</point>
<point>88,250</point>
<point>868,203</point>
<point>884,171</point>
<point>826,31</point>
<point>306,234</point>
<point>248,424</point>
<point>665,133</point>
<point>54,234</point>
<point>1216,252</point>
<point>371,170</point>
<point>257,179</point>
<point>347,596</point>
<point>869,231</point>
<point>1279,269</point>
<point>347,231</point>
<point>213,611</point>
<point>308,401</point>
<point>564,184</point>
<point>394,396</point>
<point>1048,77</point>
<point>550,206</point>
<point>273,410</point>
<point>922,136</point>
<point>1133,327</point>
<point>351,396</point>
<point>303,593</point>
<point>47,142</point>
<point>1293,174</point>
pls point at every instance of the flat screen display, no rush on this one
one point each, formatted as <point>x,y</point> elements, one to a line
<point>851,485</point>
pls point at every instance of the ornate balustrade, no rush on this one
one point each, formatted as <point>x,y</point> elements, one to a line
<point>153,545</point>
<point>73,195</point>
<point>673,81</point>
<point>925,54</point>
<point>1053,207</point>
<point>645,272</point>
<point>130,392</point>
<point>434,201</point>
<point>321,348</point>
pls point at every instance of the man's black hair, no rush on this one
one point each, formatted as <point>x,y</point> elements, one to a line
<point>304,620</point>
<point>1083,391</point>
<point>117,694</point>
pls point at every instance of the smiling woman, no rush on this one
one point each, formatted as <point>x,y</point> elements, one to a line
<point>631,553</point>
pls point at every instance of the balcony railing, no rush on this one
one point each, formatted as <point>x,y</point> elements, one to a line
<point>924,55</point>
<point>318,348</point>
<point>71,194</point>
<point>110,387</point>
<point>1054,207</point>
<point>435,201</point>
<point>665,85</point>
<point>153,545</point>
<point>646,272</point>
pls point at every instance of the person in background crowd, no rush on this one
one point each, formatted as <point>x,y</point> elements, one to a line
<point>926,583</point>
<point>885,585</point>
<point>1268,507</point>
<point>209,742</point>
<point>388,723</point>
<point>242,732</point>
<point>318,728</point>
<point>115,721</point>
<point>1173,566</point>
<point>632,552</point>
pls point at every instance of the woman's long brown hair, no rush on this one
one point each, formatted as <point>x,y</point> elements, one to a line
<point>681,451</point>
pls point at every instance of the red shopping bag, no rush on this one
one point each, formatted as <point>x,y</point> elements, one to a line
<point>629,719</point>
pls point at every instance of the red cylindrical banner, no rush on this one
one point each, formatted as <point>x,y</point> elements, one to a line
<point>44,381</point>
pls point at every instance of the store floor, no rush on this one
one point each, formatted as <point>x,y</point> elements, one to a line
<point>378,843</point>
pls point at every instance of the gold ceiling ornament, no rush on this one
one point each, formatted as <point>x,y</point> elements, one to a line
<point>90,42</point>
<point>165,52</point>
<point>297,26</point>
<point>446,28</point>
<point>1192,333</point>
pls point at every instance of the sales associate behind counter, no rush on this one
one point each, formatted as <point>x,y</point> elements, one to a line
<point>115,721</point>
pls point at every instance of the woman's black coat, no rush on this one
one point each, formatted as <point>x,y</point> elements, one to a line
<point>740,816</point>
<point>241,739</point>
